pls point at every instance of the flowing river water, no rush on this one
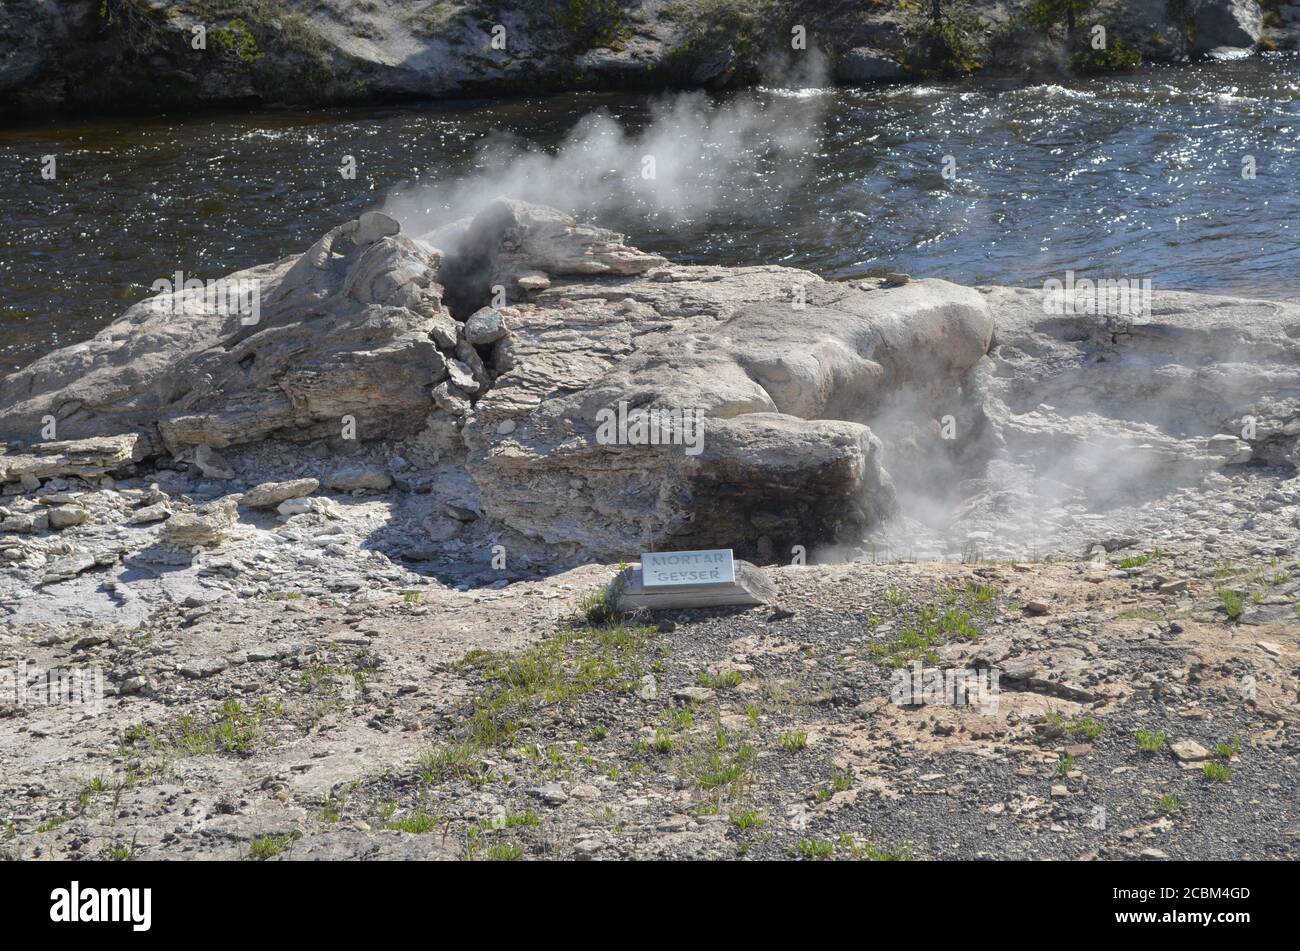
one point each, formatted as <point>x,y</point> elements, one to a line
<point>1144,176</point>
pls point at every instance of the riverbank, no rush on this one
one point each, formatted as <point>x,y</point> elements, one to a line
<point>151,56</point>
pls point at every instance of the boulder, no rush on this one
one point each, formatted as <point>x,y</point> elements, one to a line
<point>781,452</point>
<point>714,69</point>
<point>462,377</point>
<point>451,399</point>
<point>469,358</point>
<point>512,240</point>
<point>444,330</point>
<point>296,506</point>
<point>1226,24</point>
<point>344,330</point>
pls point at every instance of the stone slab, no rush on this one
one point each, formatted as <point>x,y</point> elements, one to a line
<point>752,587</point>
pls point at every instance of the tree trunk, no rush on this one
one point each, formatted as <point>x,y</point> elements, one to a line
<point>935,15</point>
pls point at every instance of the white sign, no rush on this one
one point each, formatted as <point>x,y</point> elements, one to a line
<point>687,568</point>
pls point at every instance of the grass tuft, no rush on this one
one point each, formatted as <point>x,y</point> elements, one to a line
<point>1150,742</point>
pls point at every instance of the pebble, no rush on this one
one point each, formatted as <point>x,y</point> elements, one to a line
<point>552,794</point>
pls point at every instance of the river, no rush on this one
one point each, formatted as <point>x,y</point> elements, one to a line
<point>979,181</point>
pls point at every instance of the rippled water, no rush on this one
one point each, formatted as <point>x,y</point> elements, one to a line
<point>1134,176</point>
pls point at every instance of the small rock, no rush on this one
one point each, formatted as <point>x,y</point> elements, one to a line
<point>444,331</point>
<point>552,794</point>
<point>485,326</point>
<point>649,688</point>
<point>1234,451</point>
<point>65,516</point>
<point>203,667</point>
<point>451,399</point>
<point>206,527</point>
<point>461,376</point>
<point>535,281</point>
<point>1189,751</point>
<point>441,528</point>
<point>298,506</point>
<point>693,694</point>
<point>67,568</point>
<point>347,480</point>
<point>150,514</point>
<point>270,494</point>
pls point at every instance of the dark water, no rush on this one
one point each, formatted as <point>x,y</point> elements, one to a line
<point>1134,176</point>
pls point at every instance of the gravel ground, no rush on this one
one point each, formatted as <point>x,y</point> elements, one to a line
<point>500,723</point>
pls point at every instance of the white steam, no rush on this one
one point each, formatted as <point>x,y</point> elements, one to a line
<point>694,155</point>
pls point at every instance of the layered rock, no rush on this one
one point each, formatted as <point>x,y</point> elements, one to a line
<point>614,401</point>
<point>773,385</point>
<point>86,458</point>
<point>1197,384</point>
<point>343,331</point>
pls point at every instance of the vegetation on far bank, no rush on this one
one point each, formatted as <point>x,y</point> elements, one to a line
<point>139,55</point>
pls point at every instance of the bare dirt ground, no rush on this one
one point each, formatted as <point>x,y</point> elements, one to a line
<point>403,721</point>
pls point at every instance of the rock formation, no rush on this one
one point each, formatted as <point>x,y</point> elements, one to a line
<point>616,402</point>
